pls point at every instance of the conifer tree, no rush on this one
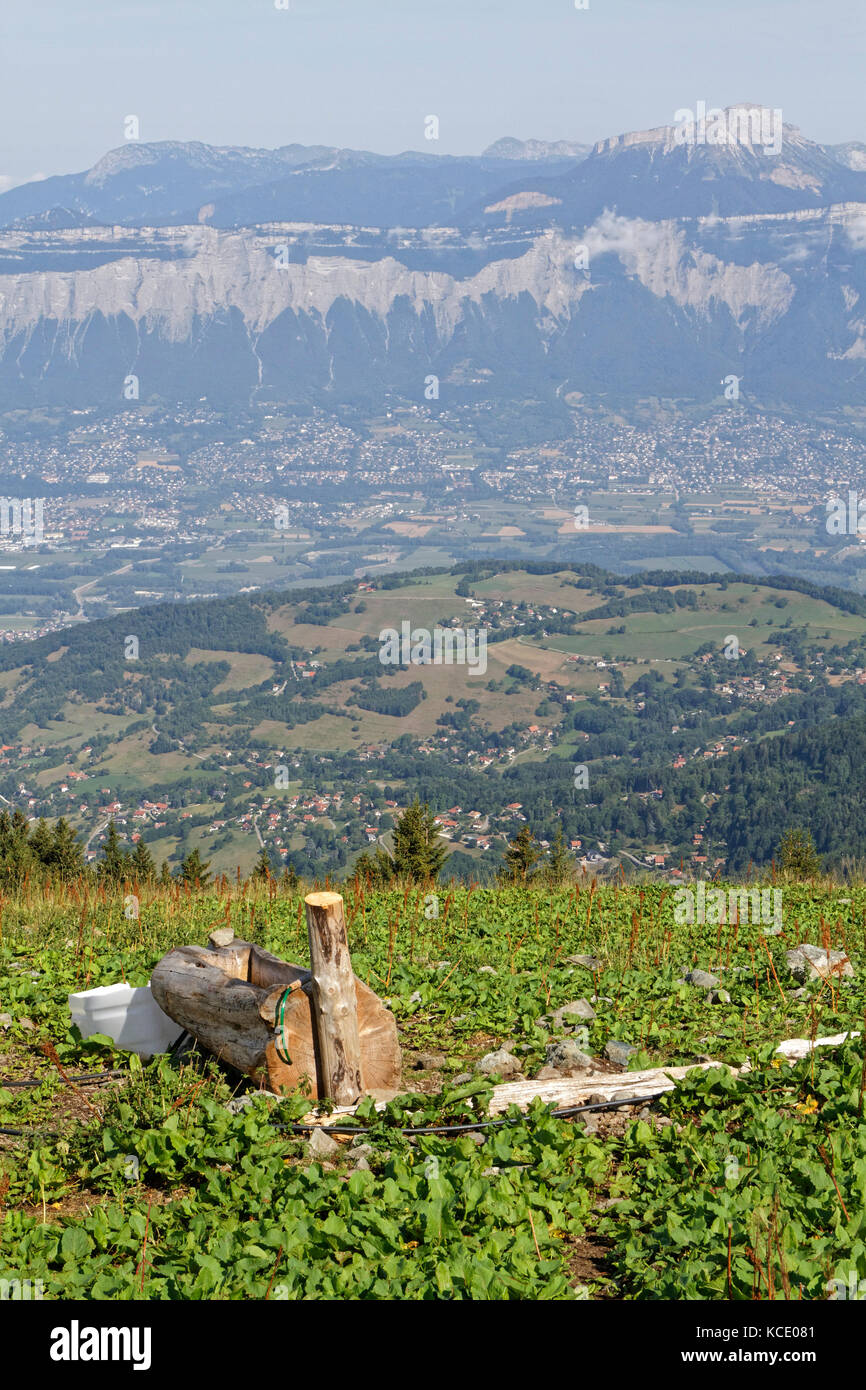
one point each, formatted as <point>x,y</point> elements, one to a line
<point>418,851</point>
<point>520,857</point>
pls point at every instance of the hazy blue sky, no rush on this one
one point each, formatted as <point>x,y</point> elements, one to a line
<point>365,73</point>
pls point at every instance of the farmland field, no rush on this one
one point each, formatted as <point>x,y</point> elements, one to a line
<point>738,1185</point>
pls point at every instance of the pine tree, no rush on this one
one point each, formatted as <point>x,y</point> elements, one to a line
<point>289,880</point>
<point>262,868</point>
<point>418,851</point>
<point>798,854</point>
<point>375,869</point>
<point>41,843</point>
<point>115,865</point>
<point>194,870</point>
<point>165,875</point>
<point>142,865</point>
<point>560,862</point>
<point>16,856</point>
<point>520,857</point>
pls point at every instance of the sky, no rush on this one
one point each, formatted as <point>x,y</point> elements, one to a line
<point>367,73</point>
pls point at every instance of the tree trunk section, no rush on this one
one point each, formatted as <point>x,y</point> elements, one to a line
<point>335,1007</point>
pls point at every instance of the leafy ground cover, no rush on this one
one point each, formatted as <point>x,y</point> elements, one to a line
<point>147,1185</point>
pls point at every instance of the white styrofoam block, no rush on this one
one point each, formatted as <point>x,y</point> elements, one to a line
<point>128,1015</point>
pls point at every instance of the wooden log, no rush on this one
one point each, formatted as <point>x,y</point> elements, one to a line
<point>334,1001</point>
<point>256,1012</point>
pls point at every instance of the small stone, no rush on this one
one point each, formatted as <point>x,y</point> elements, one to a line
<point>567,1056</point>
<point>321,1145</point>
<point>619,1052</point>
<point>6,1020</point>
<point>597,1099</point>
<point>28,1024</point>
<point>548,1074</point>
<point>588,962</point>
<point>415,998</point>
<point>578,1008</point>
<point>430,1061</point>
<point>239,1103</point>
<point>701,979</point>
<point>591,1123</point>
<point>719,996</point>
<point>362,1165</point>
<point>464,1076</point>
<point>499,1063</point>
<point>801,993</point>
<point>359,1153</point>
<point>486,970</point>
<point>490,1172</point>
<point>476,1136</point>
<point>808,962</point>
<point>221,936</point>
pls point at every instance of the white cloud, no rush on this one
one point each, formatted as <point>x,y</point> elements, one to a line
<point>8,181</point>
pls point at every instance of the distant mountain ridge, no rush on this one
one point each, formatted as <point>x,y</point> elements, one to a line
<point>654,266</point>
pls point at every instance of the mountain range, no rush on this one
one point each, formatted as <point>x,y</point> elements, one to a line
<point>643,266</point>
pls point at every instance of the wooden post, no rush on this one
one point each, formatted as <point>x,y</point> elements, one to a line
<point>335,1008</point>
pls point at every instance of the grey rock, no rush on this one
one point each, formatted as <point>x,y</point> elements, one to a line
<point>548,1074</point>
<point>321,1145</point>
<point>591,1123</point>
<point>499,1063</point>
<point>578,1008</point>
<point>588,962</point>
<point>464,1076</point>
<point>808,962</point>
<point>486,970</point>
<point>239,1103</point>
<point>597,1099</point>
<point>567,1056</point>
<point>6,1020</point>
<point>719,996</point>
<point>430,1061</point>
<point>360,1153</point>
<point>619,1052</point>
<point>476,1136</point>
<point>27,1024</point>
<point>415,998</point>
<point>362,1165</point>
<point>701,979</point>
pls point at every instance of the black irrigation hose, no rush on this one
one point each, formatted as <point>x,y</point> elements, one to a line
<point>87,1076</point>
<point>428,1129</point>
<point>480,1124</point>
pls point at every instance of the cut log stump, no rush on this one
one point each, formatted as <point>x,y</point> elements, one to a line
<point>260,1015</point>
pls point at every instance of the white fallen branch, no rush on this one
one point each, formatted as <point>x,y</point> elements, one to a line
<point>576,1090</point>
<point>796,1048</point>
<point>609,1085</point>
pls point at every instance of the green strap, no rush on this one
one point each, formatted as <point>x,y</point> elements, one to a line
<point>281,1045</point>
